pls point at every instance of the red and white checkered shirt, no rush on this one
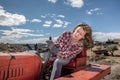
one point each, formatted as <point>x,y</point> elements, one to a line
<point>66,48</point>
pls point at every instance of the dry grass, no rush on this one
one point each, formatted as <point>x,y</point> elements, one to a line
<point>113,61</point>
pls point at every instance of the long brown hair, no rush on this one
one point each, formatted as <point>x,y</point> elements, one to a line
<point>88,41</point>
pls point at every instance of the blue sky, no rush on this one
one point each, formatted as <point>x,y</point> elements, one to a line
<point>33,21</point>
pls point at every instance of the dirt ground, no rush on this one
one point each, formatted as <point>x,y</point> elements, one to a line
<point>113,61</point>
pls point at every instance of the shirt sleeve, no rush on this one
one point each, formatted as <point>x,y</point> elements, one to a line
<point>61,38</point>
<point>73,53</point>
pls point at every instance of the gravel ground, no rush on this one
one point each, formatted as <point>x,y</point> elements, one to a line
<point>113,61</point>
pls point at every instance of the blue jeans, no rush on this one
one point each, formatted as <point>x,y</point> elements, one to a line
<point>53,53</point>
<point>57,68</point>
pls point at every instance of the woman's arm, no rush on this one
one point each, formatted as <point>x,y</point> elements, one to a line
<point>61,38</point>
<point>68,54</point>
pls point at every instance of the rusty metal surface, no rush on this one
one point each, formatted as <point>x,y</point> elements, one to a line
<point>93,72</point>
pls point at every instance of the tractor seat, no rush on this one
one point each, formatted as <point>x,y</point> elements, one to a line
<point>75,63</point>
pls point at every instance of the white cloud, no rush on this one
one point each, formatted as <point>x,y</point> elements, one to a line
<point>38,40</point>
<point>10,19</point>
<point>59,23</point>
<point>19,32</point>
<point>66,23</point>
<point>89,12</point>
<point>75,3</point>
<point>100,36</point>
<point>1,8</point>
<point>96,11</point>
<point>36,20</point>
<point>43,16</point>
<point>47,33</point>
<point>47,23</point>
<point>52,15</point>
<point>62,16</point>
<point>56,21</point>
<point>16,34</point>
<point>52,1</point>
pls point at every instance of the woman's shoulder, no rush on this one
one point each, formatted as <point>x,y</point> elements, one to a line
<point>67,32</point>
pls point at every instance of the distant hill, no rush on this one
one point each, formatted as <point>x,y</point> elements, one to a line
<point>18,47</point>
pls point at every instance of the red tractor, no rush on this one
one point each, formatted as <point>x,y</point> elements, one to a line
<point>30,66</point>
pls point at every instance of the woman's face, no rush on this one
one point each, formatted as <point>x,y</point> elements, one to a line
<point>79,33</point>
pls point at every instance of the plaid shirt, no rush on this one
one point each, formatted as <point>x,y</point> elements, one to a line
<point>66,49</point>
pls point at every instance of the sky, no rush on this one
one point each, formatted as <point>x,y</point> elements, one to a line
<point>34,21</point>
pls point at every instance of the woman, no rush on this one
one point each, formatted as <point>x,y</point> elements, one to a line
<point>70,44</point>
